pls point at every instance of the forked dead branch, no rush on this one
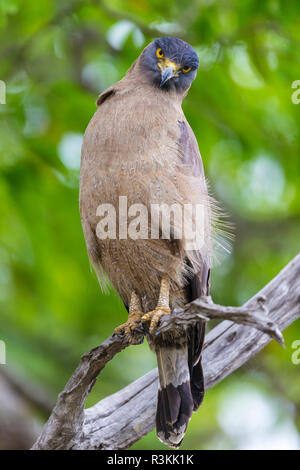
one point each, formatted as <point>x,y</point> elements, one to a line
<point>123,418</point>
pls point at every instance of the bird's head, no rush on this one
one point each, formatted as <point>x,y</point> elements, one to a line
<point>170,64</point>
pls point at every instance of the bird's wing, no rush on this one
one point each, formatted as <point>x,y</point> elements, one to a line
<point>191,158</point>
<point>198,284</point>
<point>189,151</point>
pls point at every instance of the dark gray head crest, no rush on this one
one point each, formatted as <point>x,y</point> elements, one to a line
<point>170,63</point>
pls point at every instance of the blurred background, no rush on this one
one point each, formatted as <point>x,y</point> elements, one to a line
<point>56,57</point>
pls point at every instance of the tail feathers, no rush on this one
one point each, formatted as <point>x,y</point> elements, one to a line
<point>180,372</point>
<point>175,401</point>
<point>196,339</point>
<point>197,385</point>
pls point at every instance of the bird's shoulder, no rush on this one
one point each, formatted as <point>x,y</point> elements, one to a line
<point>188,147</point>
<point>118,89</point>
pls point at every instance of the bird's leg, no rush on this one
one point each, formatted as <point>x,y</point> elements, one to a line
<point>162,306</point>
<point>132,328</point>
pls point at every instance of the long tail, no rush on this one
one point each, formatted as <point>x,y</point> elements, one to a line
<point>181,388</point>
<point>196,339</point>
<point>180,392</point>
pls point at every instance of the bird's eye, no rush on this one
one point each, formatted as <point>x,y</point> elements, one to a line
<point>186,69</point>
<point>159,53</point>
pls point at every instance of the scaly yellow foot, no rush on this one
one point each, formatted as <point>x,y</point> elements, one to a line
<point>154,318</point>
<point>162,307</point>
<point>132,328</point>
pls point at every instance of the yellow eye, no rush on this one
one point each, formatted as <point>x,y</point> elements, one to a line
<point>186,69</point>
<point>159,53</point>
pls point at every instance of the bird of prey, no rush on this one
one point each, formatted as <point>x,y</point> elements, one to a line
<point>139,145</point>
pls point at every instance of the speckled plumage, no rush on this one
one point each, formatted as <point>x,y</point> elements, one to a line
<point>140,145</point>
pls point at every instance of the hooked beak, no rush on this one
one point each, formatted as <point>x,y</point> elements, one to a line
<point>166,74</point>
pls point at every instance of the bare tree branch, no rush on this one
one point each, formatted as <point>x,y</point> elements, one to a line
<point>123,418</point>
<point>205,309</point>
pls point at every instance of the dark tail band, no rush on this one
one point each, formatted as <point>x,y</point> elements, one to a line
<point>175,401</point>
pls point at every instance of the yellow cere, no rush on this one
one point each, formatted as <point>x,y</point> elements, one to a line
<point>168,63</point>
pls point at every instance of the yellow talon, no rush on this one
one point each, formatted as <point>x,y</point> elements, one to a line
<point>154,317</point>
<point>130,328</point>
<point>133,325</point>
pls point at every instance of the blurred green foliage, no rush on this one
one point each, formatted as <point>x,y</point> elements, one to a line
<point>56,57</point>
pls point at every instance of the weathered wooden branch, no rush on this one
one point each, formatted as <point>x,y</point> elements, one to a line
<point>205,309</point>
<point>123,418</point>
